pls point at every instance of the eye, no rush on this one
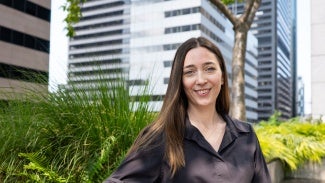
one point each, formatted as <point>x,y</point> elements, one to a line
<point>188,72</point>
<point>210,69</point>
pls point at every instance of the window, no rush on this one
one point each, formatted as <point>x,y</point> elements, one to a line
<point>22,39</point>
<point>19,5</point>
<point>24,74</point>
<point>29,8</point>
<point>17,38</point>
<point>29,41</point>
<point>166,80</point>
<point>167,63</point>
<point>5,34</point>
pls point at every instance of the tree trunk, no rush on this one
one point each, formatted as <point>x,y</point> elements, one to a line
<point>237,107</point>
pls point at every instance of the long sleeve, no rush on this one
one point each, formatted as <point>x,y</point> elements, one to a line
<point>261,173</point>
<point>143,166</point>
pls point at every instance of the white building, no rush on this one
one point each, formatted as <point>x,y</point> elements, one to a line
<point>141,38</point>
<point>101,43</point>
<point>317,59</point>
<point>159,27</point>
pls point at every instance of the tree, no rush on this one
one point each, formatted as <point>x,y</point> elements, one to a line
<point>241,25</point>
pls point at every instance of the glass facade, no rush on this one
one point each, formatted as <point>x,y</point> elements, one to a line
<point>274,28</point>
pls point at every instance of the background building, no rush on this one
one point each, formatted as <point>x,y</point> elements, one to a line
<point>159,27</point>
<point>101,44</point>
<point>24,43</point>
<point>140,37</point>
<point>317,59</point>
<point>274,27</point>
<point>300,97</point>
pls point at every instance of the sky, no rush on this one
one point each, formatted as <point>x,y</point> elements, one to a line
<point>304,49</point>
<point>59,47</point>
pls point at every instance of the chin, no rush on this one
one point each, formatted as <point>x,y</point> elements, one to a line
<point>205,104</point>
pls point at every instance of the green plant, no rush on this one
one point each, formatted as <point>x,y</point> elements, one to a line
<point>81,135</point>
<point>38,169</point>
<point>77,135</point>
<point>293,141</point>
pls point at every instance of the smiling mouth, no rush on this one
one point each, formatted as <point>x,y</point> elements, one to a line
<point>202,92</point>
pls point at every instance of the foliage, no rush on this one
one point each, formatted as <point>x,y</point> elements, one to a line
<point>37,170</point>
<point>72,7</point>
<point>227,2</point>
<point>70,136</point>
<point>79,135</point>
<point>293,142</point>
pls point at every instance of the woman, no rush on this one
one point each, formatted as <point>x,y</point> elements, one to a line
<point>193,140</point>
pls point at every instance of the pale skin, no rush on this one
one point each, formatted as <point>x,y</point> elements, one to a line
<point>202,80</point>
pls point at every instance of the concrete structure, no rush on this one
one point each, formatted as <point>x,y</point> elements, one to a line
<point>149,33</point>
<point>300,97</point>
<point>159,27</point>
<point>101,44</point>
<point>317,59</point>
<point>274,27</point>
<point>24,43</point>
<point>308,172</point>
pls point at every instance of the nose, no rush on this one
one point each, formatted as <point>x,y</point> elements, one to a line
<point>201,79</point>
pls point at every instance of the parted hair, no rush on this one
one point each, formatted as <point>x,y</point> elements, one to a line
<point>170,122</point>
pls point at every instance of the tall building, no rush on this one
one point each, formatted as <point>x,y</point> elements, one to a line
<point>159,27</point>
<point>300,106</point>
<point>24,43</point>
<point>101,44</point>
<point>149,33</point>
<point>317,59</point>
<point>274,28</point>
<point>294,64</point>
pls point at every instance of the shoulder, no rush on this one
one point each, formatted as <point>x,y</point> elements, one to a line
<point>238,125</point>
<point>150,140</point>
<point>243,125</point>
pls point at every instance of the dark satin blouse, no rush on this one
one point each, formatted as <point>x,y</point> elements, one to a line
<point>239,160</point>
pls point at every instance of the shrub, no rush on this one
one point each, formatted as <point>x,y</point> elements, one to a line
<point>70,136</point>
<point>293,142</point>
<point>81,135</point>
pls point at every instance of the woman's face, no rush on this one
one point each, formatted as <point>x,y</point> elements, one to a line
<point>202,78</point>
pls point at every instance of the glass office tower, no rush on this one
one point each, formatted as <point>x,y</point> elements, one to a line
<point>274,28</point>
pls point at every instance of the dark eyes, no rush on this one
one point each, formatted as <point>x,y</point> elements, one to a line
<point>191,72</point>
<point>210,69</point>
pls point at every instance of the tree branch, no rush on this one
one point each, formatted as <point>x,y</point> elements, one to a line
<point>248,8</point>
<point>226,11</point>
<point>250,18</point>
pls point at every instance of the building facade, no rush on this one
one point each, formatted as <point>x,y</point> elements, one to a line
<point>274,28</point>
<point>101,44</point>
<point>24,43</point>
<point>159,27</point>
<point>300,97</point>
<point>151,32</point>
<point>317,59</point>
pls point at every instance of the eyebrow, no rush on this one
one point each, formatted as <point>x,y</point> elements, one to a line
<point>204,64</point>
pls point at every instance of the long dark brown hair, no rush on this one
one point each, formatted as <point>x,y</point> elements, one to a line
<point>170,123</point>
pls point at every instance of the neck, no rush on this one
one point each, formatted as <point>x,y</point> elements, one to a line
<point>206,117</point>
